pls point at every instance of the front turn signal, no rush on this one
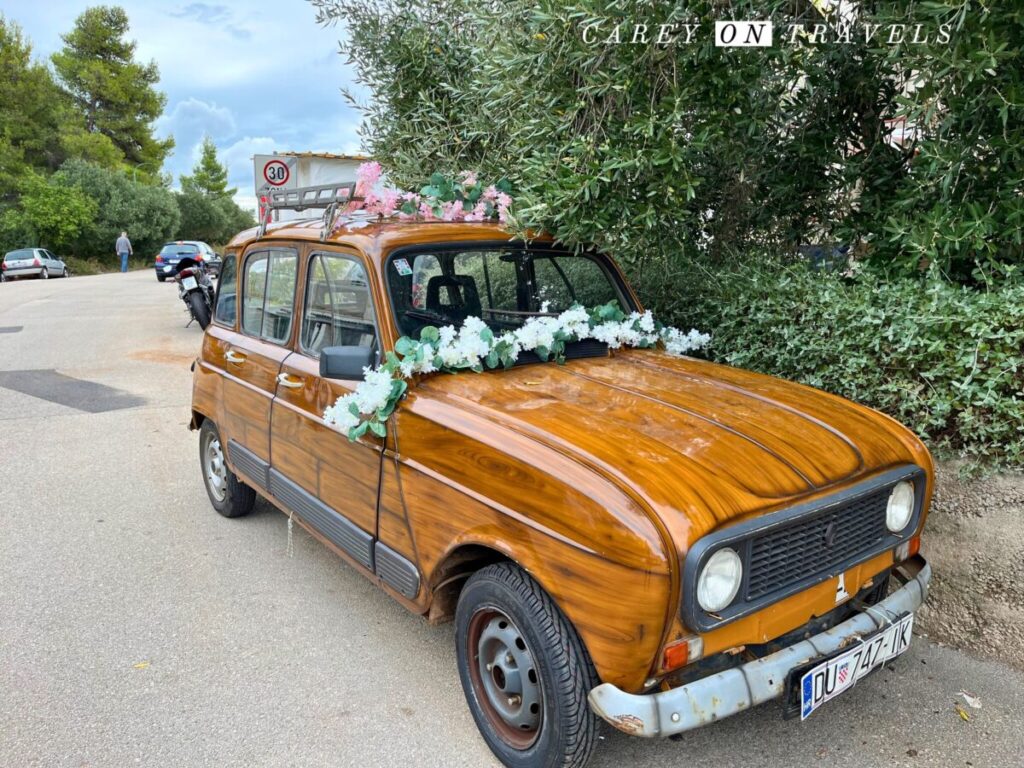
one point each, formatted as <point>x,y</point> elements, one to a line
<point>683,652</point>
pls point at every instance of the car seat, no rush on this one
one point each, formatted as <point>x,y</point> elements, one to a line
<point>463,299</point>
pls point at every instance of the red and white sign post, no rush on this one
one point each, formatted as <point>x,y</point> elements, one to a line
<point>272,173</point>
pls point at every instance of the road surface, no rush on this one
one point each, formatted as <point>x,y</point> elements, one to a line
<point>138,627</point>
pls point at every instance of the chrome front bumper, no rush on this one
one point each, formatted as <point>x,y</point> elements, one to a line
<point>727,693</point>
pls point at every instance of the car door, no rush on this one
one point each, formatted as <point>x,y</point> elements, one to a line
<point>44,260</point>
<point>251,358</point>
<point>56,265</point>
<point>328,481</point>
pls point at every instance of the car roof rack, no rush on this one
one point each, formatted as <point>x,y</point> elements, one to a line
<point>329,197</point>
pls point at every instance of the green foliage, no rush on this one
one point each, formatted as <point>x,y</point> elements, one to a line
<point>149,214</point>
<point>49,214</point>
<point>962,202</point>
<point>208,212</point>
<point>944,359</point>
<point>115,94</point>
<point>211,219</point>
<point>30,111</point>
<point>209,177</point>
<point>657,152</point>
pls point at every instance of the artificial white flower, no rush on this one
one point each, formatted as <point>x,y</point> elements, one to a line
<point>466,347</point>
<point>339,416</point>
<point>679,343</point>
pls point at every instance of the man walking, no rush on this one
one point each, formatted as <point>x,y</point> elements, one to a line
<point>123,247</point>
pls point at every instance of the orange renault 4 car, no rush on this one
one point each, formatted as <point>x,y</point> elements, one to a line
<point>653,541</point>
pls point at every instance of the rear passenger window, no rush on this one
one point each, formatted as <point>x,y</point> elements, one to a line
<point>339,310</point>
<point>227,290</point>
<point>268,298</point>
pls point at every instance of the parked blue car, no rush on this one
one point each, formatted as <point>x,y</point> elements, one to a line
<point>167,260</point>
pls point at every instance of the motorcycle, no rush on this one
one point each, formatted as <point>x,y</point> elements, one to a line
<point>196,289</point>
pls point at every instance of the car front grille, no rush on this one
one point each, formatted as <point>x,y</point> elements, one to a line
<point>792,549</point>
<point>788,554</point>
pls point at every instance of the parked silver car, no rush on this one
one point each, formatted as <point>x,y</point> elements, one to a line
<point>32,262</point>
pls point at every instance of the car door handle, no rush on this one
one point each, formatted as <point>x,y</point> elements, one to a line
<point>287,380</point>
<point>233,357</point>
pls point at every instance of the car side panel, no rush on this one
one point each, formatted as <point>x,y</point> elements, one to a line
<point>604,564</point>
<point>342,474</point>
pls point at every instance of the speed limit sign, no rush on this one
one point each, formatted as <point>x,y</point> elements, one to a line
<point>276,173</point>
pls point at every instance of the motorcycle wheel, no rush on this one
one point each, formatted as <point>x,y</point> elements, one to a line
<point>200,309</point>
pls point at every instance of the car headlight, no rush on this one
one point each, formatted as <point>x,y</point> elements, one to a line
<point>900,507</point>
<point>720,579</point>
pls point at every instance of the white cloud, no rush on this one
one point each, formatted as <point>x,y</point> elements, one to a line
<point>256,75</point>
<point>195,116</point>
<point>238,159</point>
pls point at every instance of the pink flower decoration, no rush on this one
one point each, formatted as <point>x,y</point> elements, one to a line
<point>491,193</point>
<point>389,201</point>
<point>479,212</point>
<point>367,175</point>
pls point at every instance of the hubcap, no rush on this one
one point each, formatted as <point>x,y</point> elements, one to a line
<point>505,677</point>
<point>215,469</point>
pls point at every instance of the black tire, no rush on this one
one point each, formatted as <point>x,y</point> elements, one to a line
<point>65,273</point>
<point>200,309</point>
<point>566,732</point>
<point>236,498</point>
<point>161,278</point>
<point>44,274</point>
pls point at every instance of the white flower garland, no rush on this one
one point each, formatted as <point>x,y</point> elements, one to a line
<point>475,347</point>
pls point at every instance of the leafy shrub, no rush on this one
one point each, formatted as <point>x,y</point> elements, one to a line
<point>48,214</point>
<point>149,214</point>
<point>945,360</point>
<point>657,150</point>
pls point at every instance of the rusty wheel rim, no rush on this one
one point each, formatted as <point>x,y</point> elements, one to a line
<point>505,677</point>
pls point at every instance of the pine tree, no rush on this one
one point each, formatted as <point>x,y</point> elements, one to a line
<point>115,93</point>
<point>208,177</point>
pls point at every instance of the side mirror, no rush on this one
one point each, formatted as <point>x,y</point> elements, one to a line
<point>345,362</point>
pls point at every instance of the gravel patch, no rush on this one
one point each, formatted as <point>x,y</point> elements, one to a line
<point>974,538</point>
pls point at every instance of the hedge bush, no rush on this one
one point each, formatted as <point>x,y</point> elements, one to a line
<point>946,360</point>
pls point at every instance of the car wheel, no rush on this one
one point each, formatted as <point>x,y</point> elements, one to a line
<point>229,495</point>
<point>64,272</point>
<point>45,274</point>
<point>160,278</point>
<point>200,309</point>
<point>524,670</point>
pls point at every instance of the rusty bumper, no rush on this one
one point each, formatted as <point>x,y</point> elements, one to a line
<point>727,693</point>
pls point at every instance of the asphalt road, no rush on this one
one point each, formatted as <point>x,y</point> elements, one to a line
<point>138,627</point>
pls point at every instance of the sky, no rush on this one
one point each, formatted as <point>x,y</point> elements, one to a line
<point>256,76</point>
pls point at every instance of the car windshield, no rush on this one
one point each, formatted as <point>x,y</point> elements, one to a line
<point>176,249</point>
<point>24,253</point>
<point>503,286</point>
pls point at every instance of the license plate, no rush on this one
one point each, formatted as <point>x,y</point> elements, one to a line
<point>837,675</point>
<point>189,283</point>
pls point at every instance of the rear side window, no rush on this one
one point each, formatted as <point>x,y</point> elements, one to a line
<point>172,249</point>
<point>268,301</point>
<point>227,292</point>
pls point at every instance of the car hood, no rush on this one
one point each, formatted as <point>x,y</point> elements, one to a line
<point>698,444</point>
